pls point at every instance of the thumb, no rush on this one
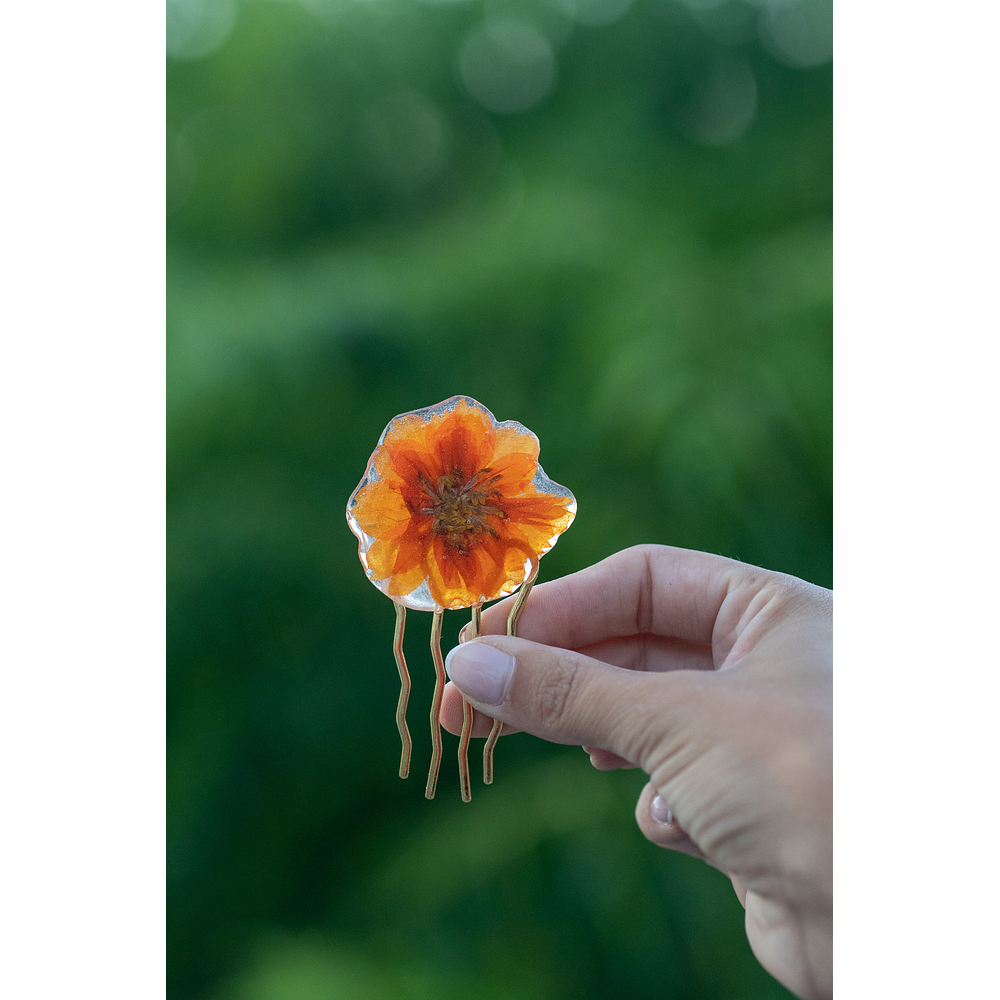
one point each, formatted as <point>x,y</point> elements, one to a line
<point>565,697</point>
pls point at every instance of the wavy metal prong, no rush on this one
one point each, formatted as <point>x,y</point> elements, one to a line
<point>439,678</point>
<point>468,717</point>
<point>512,619</point>
<point>522,596</point>
<point>404,692</point>
<point>465,783</point>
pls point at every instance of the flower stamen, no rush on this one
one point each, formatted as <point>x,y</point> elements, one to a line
<point>460,508</point>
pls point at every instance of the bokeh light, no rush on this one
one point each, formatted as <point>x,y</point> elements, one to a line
<point>799,32</point>
<point>507,65</point>
<point>197,27</point>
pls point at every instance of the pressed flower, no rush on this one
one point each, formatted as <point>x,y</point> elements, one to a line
<point>453,511</point>
<point>454,508</point>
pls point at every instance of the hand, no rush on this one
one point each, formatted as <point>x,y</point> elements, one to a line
<point>715,678</point>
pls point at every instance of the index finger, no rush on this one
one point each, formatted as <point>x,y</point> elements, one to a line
<point>648,588</point>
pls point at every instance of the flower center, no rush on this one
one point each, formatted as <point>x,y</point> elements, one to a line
<point>460,507</point>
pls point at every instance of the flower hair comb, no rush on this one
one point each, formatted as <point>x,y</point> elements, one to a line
<point>454,511</point>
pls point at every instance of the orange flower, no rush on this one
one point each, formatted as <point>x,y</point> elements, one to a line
<point>454,509</point>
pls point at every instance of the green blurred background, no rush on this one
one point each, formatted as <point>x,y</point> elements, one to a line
<point>609,220</point>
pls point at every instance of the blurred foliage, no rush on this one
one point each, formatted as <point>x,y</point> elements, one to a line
<point>637,266</point>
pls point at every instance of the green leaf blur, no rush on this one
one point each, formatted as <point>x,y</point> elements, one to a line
<point>626,246</point>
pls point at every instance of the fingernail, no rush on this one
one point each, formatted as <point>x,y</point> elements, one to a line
<point>659,811</point>
<point>463,636</point>
<point>481,671</point>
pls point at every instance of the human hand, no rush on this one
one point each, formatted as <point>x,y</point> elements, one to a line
<point>715,678</point>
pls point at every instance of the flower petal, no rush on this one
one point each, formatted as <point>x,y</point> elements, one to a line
<point>380,510</point>
<point>540,518</point>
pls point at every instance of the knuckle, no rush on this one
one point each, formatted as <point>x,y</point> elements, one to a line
<point>555,693</point>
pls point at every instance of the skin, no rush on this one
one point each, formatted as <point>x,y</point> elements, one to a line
<point>715,678</point>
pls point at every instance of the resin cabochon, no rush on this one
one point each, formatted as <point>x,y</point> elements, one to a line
<point>420,599</point>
